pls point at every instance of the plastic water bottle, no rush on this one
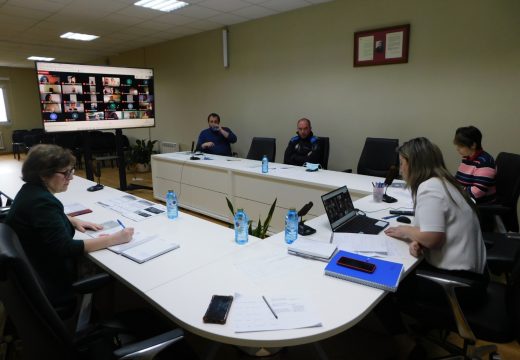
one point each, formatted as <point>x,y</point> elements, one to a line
<point>291,226</point>
<point>172,209</point>
<point>265,164</point>
<point>241,227</point>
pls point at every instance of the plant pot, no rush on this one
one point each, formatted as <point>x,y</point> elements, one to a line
<point>142,168</point>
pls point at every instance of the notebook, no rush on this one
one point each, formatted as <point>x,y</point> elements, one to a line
<point>343,217</point>
<point>312,249</point>
<point>385,277</point>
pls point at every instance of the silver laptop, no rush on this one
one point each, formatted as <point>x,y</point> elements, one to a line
<point>343,217</point>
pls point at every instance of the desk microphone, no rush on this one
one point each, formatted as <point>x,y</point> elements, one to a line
<point>303,229</point>
<point>193,157</point>
<point>97,172</point>
<point>390,176</point>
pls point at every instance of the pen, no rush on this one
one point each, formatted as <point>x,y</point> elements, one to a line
<point>389,217</point>
<point>120,223</point>
<point>269,306</point>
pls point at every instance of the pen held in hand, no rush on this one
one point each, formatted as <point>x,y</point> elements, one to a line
<point>269,306</point>
<point>121,223</point>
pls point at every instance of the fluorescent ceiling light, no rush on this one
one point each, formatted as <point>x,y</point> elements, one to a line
<point>39,58</point>
<point>162,5</point>
<point>77,36</point>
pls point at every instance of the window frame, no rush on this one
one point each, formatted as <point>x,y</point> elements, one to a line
<point>4,87</point>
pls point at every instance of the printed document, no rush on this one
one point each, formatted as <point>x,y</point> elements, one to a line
<point>251,313</point>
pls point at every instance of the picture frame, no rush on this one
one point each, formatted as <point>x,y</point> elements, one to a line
<point>382,46</point>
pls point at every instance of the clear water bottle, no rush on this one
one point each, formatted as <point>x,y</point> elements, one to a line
<point>291,226</point>
<point>172,208</point>
<point>265,164</point>
<point>241,227</point>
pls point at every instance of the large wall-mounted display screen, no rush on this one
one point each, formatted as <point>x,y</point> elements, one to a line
<point>90,97</point>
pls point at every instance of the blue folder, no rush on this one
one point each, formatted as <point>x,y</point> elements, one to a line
<point>385,277</point>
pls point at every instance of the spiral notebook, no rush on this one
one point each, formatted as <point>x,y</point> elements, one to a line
<point>385,277</point>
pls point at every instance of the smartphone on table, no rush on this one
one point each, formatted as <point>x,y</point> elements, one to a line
<point>218,309</point>
<point>355,264</point>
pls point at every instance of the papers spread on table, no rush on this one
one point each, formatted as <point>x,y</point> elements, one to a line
<point>141,248</point>
<point>369,245</point>
<point>133,207</point>
<point>386,275</point>
<point>252,313</point>
<point>76,209</point>
<point>312,249</point>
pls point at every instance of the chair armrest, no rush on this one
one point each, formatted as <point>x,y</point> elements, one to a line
<point>348,170</point>
<point>449,282</point>
<point>91,283</point>
<point>493,209</point>
<point>147,349</point>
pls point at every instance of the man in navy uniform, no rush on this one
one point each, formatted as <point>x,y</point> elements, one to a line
<point>304,147</point>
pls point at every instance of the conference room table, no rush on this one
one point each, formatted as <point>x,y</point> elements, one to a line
<point>203,185</point>
<point>180,283</point>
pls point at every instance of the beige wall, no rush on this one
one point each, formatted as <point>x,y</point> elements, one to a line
<point>24,111</point>
<point>463,69</point>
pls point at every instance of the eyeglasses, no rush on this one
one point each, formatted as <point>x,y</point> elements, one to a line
<point>67,173</point>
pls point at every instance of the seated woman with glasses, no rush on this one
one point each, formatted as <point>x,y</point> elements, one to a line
<point>45,232</point>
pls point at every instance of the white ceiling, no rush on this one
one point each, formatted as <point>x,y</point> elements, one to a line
<point>33,27</point>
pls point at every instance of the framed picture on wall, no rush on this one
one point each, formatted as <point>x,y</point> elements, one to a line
<point>382,46</point>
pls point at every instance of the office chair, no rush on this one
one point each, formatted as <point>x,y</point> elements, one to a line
<point>378,155</point>
<point>507,182</point>
<point>5,205</point>
<point>261,146</point>
<point>502,249</point>
<point>494,318</point>
<point>325,148</point>
<point>17,138</point>
<point>42,332</point>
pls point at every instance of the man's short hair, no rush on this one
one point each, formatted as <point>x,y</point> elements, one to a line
<point>214,115</point>
<point>307,120</point>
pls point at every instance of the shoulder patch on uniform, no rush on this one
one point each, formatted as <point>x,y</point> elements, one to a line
<point>294,138</point>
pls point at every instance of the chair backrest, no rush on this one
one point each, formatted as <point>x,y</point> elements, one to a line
<point>508,187</point>
<point>325,149</point>
<point>43,334</point>
<point>261,146</point>
<point>18,135</point>
<point>508,178</point>
<point>378,155</point>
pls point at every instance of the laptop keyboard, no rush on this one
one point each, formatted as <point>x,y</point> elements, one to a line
<point>361,224</point>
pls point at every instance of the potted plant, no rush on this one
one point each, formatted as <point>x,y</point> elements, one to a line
<point>141,154</point>
<point>261,229</point>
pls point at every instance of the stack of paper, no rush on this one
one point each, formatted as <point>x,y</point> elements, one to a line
<point>370,245</point>
<point>312,249</point>
<point>257,313</point>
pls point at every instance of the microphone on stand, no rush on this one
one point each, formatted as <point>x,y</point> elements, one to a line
<point>97,172</point>
<point>303,229</point>
<point>193,157</point>
<point>390,176</point>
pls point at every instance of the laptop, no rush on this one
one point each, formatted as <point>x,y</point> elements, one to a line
<point>344,218</point>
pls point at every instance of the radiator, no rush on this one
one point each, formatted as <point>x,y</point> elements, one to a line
<point>2,145</point>
<point>168,147</point>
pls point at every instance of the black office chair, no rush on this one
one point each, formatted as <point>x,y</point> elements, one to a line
<point>494,318</point>
<point>507,182</point>
<point>5,205</point>
<point>261,146</point>
<point>378,155</point>
<point>325,149</point>
<point>42,332</point>
<point>17,138</point>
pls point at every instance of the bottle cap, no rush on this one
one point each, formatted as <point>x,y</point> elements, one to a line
<point>170,190</point>
<point>240,209</point>
<point>292,209</point>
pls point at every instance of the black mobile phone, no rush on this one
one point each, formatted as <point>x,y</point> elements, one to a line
<point>218,309</point>
<point>357,264</point>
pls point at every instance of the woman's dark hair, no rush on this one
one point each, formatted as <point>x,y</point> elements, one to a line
<point>425,161</point>
<point>467,136</point>
<point>44,160</point>
<point>214,115</point>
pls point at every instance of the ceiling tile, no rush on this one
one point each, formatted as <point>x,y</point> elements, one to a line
<point>285,5</point>
<point>228,19</point>
<point>254,12</point>
<point>224,5</point>
<point>197,12</point>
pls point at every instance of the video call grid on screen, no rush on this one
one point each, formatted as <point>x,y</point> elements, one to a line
<point>89,97</point>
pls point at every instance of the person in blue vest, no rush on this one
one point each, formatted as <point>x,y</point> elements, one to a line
<point>216,139</point>
<point>304,147</point>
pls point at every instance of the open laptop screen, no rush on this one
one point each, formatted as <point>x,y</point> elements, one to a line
<point>339,207</point>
